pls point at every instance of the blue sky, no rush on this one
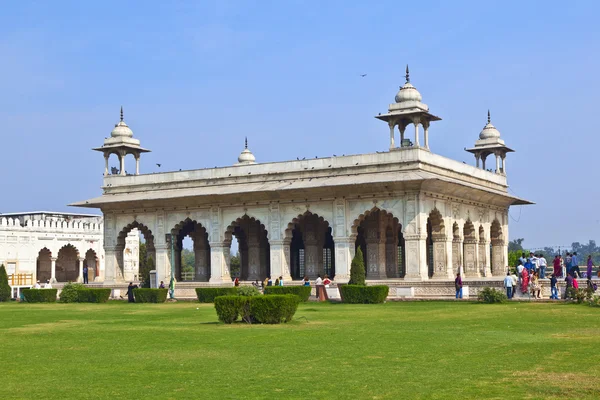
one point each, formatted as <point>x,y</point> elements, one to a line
<point>195,78</point>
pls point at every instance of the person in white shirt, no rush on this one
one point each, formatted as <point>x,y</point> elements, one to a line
<point>534,261</point>
<point>48,285</point>
<point>319,281</point>
<point>543,264</point>
<point>37,285</point>
<point>508,284</point>
<point>520,269</point>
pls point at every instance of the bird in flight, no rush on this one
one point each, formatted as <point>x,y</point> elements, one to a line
<point>363,75</point>
<point>158,165</point>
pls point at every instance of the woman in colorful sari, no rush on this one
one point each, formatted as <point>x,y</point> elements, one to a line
<point>524,281</point>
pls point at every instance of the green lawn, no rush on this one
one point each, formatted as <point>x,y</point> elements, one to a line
<point>416,350</point>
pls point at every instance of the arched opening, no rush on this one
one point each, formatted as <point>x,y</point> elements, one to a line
<point>128,249</point>
<point>67,264</point>
<point>44,265</point>
<point>311,247</point>
<point>91,262</point>
<point>114,164</point>
<point>436,251</point>
<point>253,247</point>
<point>379,236</point>
<point>192,251</point>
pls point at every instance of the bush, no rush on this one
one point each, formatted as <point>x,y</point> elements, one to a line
<point>274,309</point>
<point>89,295</point>
<point>594,301</point>
<point>229,308</point>
<point>70,292</point>
<point>357,269</point>
<point>40,295</point>
<point>208,294</point>
<point>5,291</point>
<point>248,291</point>
<point>303,292</point>
<point>145,295</point>
<point>490,295</point>
<point>358,294</point>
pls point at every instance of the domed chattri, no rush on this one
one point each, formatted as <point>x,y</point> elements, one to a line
<point>121,129</point>
<point>408,92</point>
<point>246,156</point>
<point>489,131</point>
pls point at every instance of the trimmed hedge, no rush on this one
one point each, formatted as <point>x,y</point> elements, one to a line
<point>40,295</point>
<point>93,295</point>
<point>272,309</point>
<point>358,294</point>
<point>301,291</point>
<point>145,295</point>
<point>490,296</point>
<point>208,294</point>
<point>229,308</point>
<point>70,292</point>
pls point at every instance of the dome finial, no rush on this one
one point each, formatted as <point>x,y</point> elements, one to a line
<point>489,118</point>
<point>407,74</point>
<point>246,143</point>
<point>121,113</point>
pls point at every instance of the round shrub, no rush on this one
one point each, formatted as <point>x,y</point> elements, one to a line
<point>70,292</point>
<point>208,294</point>
<point>145,295</point>
<point>40,295</point>
<point>301,291</point>
<point>248,291</point>
<point>274,309</point>
<point>229,308</point>
<point>490,296</point>
<point>358,294</point>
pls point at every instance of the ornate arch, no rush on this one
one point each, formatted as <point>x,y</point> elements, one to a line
<point>148,235</point>
<point>469,230</point>
<point>496,231</point>
<point>436,220</point>
<point>296,220</point>
<point>231,227</point>
<point>356,223</point>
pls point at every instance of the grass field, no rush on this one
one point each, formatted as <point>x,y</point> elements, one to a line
<point>416,350</point>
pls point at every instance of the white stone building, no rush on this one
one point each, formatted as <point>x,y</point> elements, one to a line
<point>418,217</point>
<point>52,245</point>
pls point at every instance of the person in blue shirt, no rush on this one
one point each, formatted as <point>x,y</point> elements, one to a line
<point>575,264</point>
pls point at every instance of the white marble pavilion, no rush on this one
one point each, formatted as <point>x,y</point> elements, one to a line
<point>417,216</point>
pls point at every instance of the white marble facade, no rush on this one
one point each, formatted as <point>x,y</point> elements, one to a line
<point>416,215</point>
<point>52,246</point>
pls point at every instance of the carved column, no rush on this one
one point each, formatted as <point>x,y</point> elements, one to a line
<point>137,164</point>
<point>105,164</point>
<point>498,262</point>
<point>122,155</point>
<point>220,259</point>
<point>80,272</point>
<point>457,256</point>
<point>441,249</point>
<point>416,122</point>
<point>119,249</point>
<point>280,260</point>
<point>470,258</point>
<point>163,263</point>
<point>53,270</point>
<point>343,258</point>
<point>426,133</point>
<point>416,257</point>
<point>392,144</point>
<point>483,256</point>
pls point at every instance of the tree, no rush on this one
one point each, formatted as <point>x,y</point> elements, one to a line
<point>357,269</point>
<point>5,290</point>
<point>235,265</point>
<point>516,245</point>
<point>145,272</point>
<point>187,261</point>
